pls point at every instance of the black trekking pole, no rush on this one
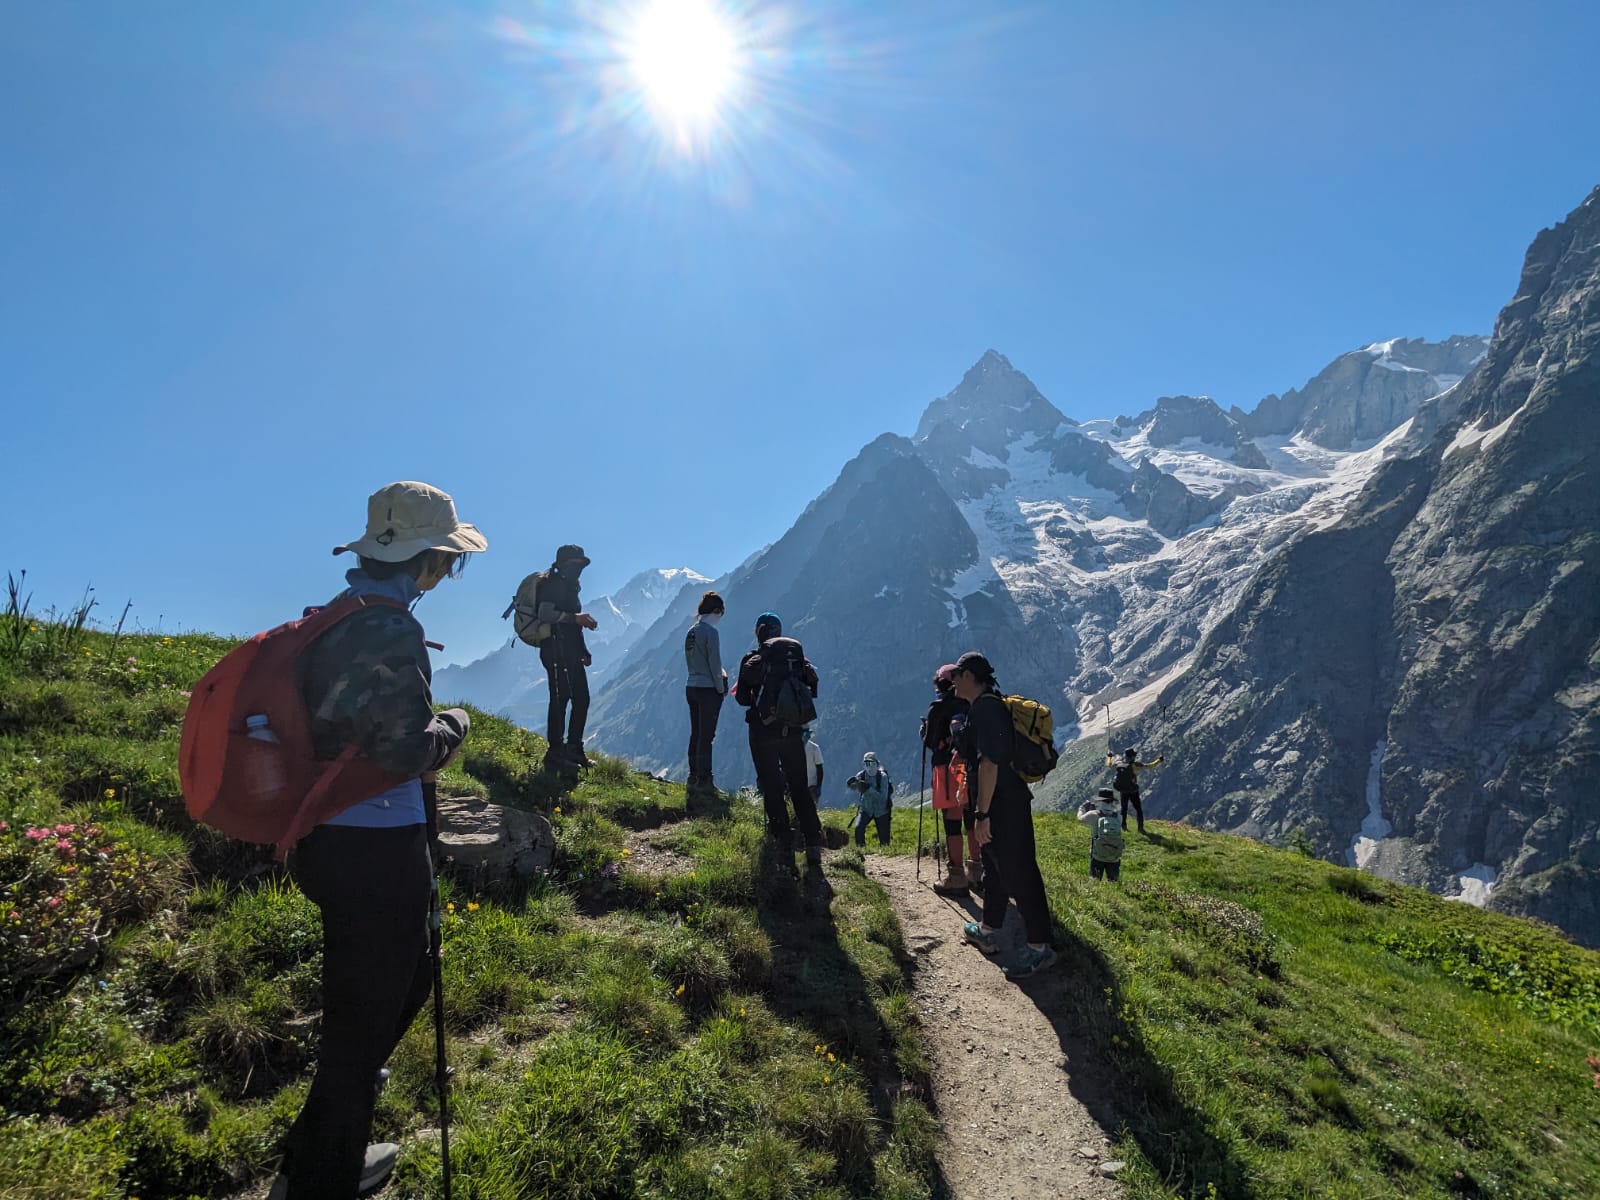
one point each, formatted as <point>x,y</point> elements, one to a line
<point>922,804</point>
<point>442,1072</point>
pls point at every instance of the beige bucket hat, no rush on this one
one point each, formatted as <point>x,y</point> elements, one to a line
<point>404,519</point>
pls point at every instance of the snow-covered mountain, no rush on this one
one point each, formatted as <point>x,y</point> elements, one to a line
<point>1088,559</point>
<point>510,681</point>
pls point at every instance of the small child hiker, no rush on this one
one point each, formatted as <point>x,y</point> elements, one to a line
<point>872,784</point>
<point>1105,847</point>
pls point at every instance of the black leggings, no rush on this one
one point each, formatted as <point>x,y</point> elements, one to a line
<point>569,684</point>
<point>954,825</point>
<point>372,886</point>
<point>1011,869</point>
<point>1132,797</point>
<point>705,708</point>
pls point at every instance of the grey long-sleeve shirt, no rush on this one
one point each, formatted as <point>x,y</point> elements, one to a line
<point>702,652</point>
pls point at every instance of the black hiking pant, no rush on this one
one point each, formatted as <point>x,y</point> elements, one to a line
<point>1132,797</point>
<point>780,763</point>
<point>569,684</point>
<point>1011,870</point>
<point>373,887</point>
<point>1110,870</point>
<point>705,709</point>
<point>862,821</point>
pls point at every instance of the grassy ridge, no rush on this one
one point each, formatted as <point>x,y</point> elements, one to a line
<point>729,1028</point>
<point>1274,1026</point>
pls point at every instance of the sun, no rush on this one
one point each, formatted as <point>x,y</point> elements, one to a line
<point>685,60</point>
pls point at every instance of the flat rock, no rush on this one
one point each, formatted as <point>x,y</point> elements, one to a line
<point>485,843</point>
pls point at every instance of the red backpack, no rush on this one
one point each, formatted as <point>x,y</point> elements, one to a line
<point>246,759</point>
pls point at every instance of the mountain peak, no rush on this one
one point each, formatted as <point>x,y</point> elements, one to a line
<point>995,398</point>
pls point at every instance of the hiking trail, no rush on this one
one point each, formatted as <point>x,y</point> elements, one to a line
<point>1020,1116</point>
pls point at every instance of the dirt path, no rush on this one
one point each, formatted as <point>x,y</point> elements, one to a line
<point>1016,1120</point>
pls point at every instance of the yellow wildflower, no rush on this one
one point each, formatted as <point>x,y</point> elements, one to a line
<point>831,1058</point>
<point>451,907</point>
<point>472,906</point>
<point>679,992</point>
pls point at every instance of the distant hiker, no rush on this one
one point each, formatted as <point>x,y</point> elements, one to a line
<point>778,685</point>
<point>872,784</point>
<point>947,717</point>
<point>1105,846</point>
<point>366,685</point>
<point>1003,810</point>
<point>1126,782</point>
<point>814,767</point>
<point>706,687</point>
<point>565,656</point>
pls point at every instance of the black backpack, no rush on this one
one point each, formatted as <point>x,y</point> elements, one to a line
<point>785,698</point>
<point>1126,779</point>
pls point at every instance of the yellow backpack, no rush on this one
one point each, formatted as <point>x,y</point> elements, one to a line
<point>1034,755</point>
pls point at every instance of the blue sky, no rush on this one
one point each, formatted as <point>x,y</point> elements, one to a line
<point>256,261</point>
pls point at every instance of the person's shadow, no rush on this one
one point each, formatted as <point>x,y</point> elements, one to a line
<point>1121,1084</point>
<point>817,985</point>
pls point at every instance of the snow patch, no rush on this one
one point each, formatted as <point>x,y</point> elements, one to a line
<point>1477,885</point>
<point>1374,829</point>
<point>1125,708</point>
<point>1476,435</point>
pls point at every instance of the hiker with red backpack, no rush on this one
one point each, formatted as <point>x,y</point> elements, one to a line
<point>941,729</point>
<point>320,736</point>
<point>778,686</point>
<point>1003,813</point>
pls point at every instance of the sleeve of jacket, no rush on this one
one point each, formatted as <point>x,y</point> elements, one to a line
<point>385,688</point>
<point>749,678</point>
<point>810,677</point>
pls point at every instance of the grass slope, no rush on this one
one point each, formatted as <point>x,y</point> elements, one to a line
<point>1275,1026</point>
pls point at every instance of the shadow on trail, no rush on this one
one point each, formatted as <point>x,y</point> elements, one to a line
<point>816,984</point>
<point>1121,1083</point>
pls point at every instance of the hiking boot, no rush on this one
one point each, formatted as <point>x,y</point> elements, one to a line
<point>379,1083</point>
<point>377,1166</point>
<point>975,874</point>
<point>1030,962</point>
<point>973,933</point>
<point>576,756</point>
<point>955,883</point>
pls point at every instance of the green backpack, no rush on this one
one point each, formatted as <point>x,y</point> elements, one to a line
<point>1107,846</point>
<point>525,605</point>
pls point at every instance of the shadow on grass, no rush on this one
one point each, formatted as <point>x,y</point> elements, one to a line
<point>817,984</point>
<point>1121,1083</point>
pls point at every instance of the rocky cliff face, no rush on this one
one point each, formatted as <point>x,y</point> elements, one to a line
<point>1429,665</point>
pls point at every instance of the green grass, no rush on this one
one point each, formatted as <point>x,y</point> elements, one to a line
<point>737,1029</point>
<point>1271,1025</point>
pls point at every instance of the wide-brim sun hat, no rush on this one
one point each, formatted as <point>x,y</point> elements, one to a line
<point>404,519</point>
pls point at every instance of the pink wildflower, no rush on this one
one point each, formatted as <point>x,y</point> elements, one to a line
<point>4,826</point>
<point>64,845</point>
<point>132,660</point>
<point>53,902</point>
<point>92,831</point>
<point>37,835</point>
<point>64,829</point>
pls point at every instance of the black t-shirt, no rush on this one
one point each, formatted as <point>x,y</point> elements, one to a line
<point>991,737</point>
<point>936,729</point>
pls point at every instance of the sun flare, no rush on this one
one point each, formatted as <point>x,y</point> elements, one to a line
<point>685,60</point>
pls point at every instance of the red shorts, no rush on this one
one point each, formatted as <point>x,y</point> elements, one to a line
<point>950,786</point>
